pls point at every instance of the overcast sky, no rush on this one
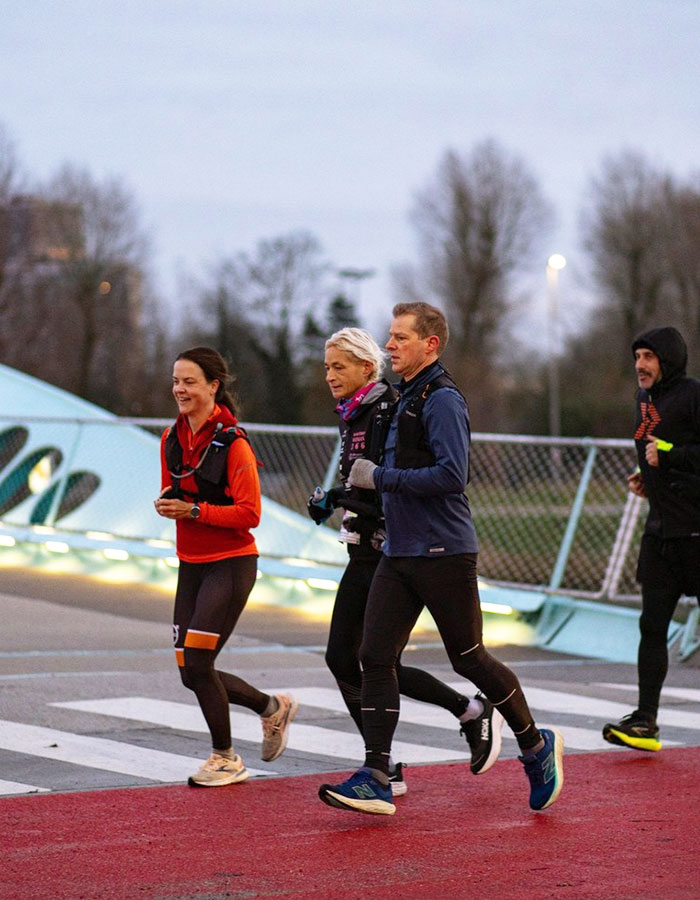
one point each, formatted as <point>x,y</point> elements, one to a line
<point>236,120</point>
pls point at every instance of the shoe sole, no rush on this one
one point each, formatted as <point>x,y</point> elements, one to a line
<point>372,807</point>
<point>398,788</point>
<point>232,778</point>
<point>620,739</point>
<point>559,770</point>
<point>496,740</point>
<point>291,715</point>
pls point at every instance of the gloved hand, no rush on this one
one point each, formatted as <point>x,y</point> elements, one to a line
<point>320,505</point>
<point>361,474</point>
<point>686,484</point>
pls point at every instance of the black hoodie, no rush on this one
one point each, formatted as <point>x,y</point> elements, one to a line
<point>669,412</point>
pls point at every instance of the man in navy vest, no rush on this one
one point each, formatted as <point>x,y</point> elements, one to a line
<point>429,561</point>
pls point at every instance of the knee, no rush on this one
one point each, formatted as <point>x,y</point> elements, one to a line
<point>376,658</point>
<point>193,677</point>
<point>470,660</point>
<point>652,626</point>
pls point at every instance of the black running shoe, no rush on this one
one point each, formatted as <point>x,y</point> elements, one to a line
<point>635,730</point>
<point>483,735</point>
<point>396,780</point>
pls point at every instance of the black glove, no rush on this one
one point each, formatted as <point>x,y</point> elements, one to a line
<point>320,505</point>
<point>685,484</point>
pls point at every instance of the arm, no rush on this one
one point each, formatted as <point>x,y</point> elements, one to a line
<point>447,426</point>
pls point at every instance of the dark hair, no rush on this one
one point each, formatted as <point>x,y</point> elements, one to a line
<point>429,320</point>
<point>214,366</point>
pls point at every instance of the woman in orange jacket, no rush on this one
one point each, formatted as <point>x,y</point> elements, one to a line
<point>210,487</point>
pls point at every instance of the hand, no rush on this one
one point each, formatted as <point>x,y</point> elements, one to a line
<point>320,509</point>
<point>172,509</point>
<point>362,474</point>
<point>652,452</point>
<point>685,484</point>
<point>636,485</point>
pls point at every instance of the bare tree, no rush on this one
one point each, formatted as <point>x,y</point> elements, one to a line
<point>682,248</point>
<point>260,310</point>
<point>11,180</point>
<point>625,229</point>
<point>478,224</point>
<point>100,252</point>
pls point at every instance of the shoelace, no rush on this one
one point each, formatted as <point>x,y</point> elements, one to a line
<point>534,771</point>
<point>273,723</point>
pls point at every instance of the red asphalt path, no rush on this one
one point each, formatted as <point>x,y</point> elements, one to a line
<point>625,826</point>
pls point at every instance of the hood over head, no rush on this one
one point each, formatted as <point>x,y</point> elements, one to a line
<point>668,344</point>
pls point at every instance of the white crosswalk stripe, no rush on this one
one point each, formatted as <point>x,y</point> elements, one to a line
<point>98,753</point>
<point>17,787</point>
<point>415,713</point>
<point>691,694</point>
<point>246,727</point>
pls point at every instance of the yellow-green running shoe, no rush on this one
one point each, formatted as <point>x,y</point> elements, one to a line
<point>635,730</point>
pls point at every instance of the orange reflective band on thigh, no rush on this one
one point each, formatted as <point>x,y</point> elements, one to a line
<point>201,640</point>
<point>180,656</point>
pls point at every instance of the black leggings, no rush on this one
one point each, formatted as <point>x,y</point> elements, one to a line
<point>343,651</point>
<point>658,605</point>
<point>209,600</point>
<point>447,586</point>
<point>667,570</point>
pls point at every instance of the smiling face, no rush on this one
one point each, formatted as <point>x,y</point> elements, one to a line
<point>193,394</point>
<point>408,351</point>
<point>648,368</point>
<point>345,373</point>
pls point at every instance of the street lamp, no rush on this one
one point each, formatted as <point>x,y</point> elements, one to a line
<point>555,264</point>
<point>354,276</point>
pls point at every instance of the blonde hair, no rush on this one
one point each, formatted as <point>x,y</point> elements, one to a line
<point>361,345</point>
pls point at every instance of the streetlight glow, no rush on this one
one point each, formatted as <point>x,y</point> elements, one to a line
<point>556,261</point>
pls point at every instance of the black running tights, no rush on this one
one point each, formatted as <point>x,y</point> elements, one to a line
<point>343,650</point>
<point>209,600</point>
<point>447,586</point>
<point>658,605</point>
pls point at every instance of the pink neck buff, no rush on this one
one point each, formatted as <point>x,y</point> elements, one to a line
<point>346,409</point>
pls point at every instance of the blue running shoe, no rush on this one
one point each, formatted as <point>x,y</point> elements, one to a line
<point>545,770</point>
<point>360,793</point>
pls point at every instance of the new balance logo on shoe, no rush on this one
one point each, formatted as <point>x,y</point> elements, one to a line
<point>364,791</point>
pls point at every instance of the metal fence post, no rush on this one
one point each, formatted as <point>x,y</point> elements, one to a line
<point>571,526</point>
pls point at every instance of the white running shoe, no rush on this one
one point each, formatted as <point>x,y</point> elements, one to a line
<point>219,770</point>
<point>276,727</point>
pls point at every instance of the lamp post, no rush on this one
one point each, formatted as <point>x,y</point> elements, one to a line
<point>555,264</point>
<point>353,276</point>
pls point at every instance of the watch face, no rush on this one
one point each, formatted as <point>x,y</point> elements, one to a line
<point>194,512</point>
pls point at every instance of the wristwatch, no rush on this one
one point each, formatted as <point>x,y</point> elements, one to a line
<point>195,512</point>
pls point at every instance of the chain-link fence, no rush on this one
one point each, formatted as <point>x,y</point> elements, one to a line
<point>550,513</point>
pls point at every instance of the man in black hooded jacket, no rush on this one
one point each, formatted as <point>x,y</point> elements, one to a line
<point>667,438</point>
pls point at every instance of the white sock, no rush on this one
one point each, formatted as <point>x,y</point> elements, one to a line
<point>473,711</point>
<point>272,707</point>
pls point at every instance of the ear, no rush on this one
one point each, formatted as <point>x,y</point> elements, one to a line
<point>433,343</point>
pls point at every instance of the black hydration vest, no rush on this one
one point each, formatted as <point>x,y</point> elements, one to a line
<point>210,471</point>
<point>412,448</point>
